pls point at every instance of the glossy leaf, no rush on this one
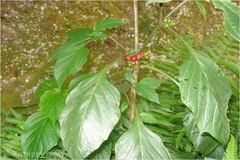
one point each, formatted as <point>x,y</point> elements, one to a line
<point>106,24</point>
<point>206,92</point>
<point>146,88</point>
<point>52,103</point>
<point>39,136</point>
<point>205,144</point>
<point>103,152</point>
<point>231,16</point>
<point>140,143</point>
<point>70,63</point>
<point>89,116</point>
<point>154,1</point>
<point>74,82</point>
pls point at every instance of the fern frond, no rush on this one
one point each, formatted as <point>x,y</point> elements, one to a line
<point>209,51</point>
<point>231,151</point>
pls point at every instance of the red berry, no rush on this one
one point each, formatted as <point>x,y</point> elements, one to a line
<point>127,57</point>
<point>140,55</point>
<point>133,58</point>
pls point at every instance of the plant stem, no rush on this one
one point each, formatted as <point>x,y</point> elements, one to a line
<point>157,70</point>
<point>176,8</point>
<point>136,67</point>
<point>119,44</point>
<point>159,24</point>
<point>135,23</point>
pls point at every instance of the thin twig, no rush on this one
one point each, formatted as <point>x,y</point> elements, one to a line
<point>135,24</point>
<point>119,44</point>
<point>159,24</point>
<point>157,70</point>
<point>176,8</point>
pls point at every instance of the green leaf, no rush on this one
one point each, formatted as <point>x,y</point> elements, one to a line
<point>74,82</point>
<point>146,88</point>
<point>71,55</point>
<point>205,144</point>
<point>89,116</point>
<point>231,151</point>
<point>81,34</point>
<point>98,35</point>
<point>106,24</point>
<point>148,118</point>
<point>39,136</point>
<point>129,76</point>
<point>133,52</point>
<point>70,63</point>
<point>201,7</point>
<point>49,84</point>
<point>153,82</point>
<point>103,152</point>
<point>140,143</point>
<point>52,103</point>
<point>231,16</point>
<point>179,139</point>
<point>217,153</point>
<point>159,1</point>
<point>78,37</point>
<point>124,106</point>
<point>206,92</point>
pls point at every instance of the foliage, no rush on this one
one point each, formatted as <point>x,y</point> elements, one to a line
<point>231,151</point>
<point>231,17</point>
<point>11,130</point>
<point>185,116</point>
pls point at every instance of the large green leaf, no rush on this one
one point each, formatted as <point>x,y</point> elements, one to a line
<point>159,1</point>
<point>206,92</point>
<point>89,116</point>
<point>70,63</point>
<point>75,81</point>
<point>146,88</point>
<point>39,136</point>
<point>205,144</point>
<point>52,103</point>
<point>231,16</point>
<point>106,24</point>
<point>140,143</point>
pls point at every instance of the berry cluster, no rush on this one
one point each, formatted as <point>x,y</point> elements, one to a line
<point>132,59</point>
<point>168,22</point>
